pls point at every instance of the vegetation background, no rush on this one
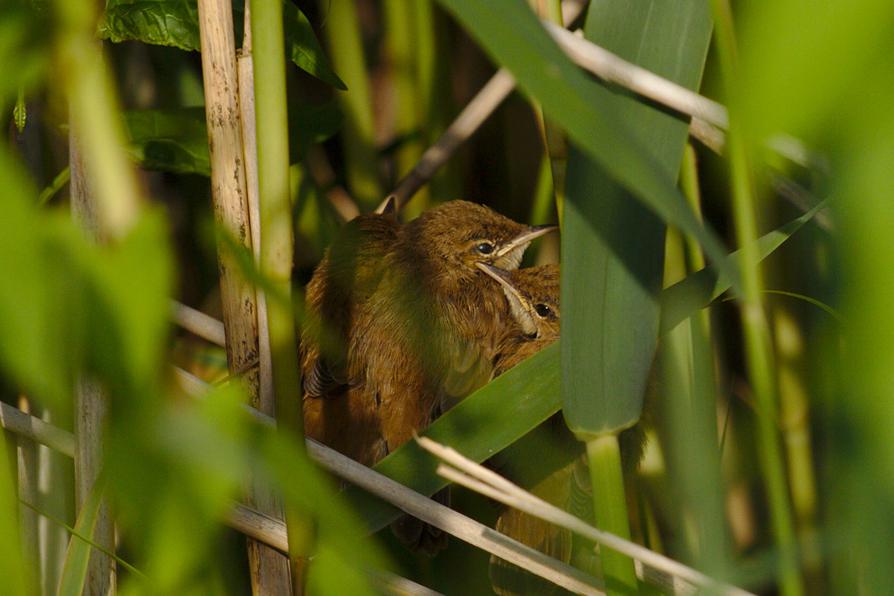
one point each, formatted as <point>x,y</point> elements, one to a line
<point>768,373</point>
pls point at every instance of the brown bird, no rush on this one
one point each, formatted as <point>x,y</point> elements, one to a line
<point>533,299</point>
<point>562,477</point>
<point>406,326</point>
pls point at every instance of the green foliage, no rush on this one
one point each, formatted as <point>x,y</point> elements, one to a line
<point>613,247</point>
<point>169,140</point>
<point>175,23</point>
<point>176,140</point>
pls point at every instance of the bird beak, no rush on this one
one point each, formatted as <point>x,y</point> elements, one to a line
<point>501,276</point>
<point>525,238</point>
<point>518,305</point>
<point>509,255</point>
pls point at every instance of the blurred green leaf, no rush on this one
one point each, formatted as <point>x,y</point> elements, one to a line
<point>613,247</point>
<point>77,555</point>
<point>480,426</point>
<point>342,552</point>
<point>584,108</point>
<point>803,64</point>
<point>24,42</point>
<point>175,23</point>
<point>169,140</point>
<point>35,355</point>
<point>176,140</point>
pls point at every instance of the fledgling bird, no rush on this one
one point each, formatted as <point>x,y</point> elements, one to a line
<point>415,327</point>
<point>533,298</point>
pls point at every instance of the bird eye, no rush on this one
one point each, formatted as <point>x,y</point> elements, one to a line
<point>542,310</point>
<point>484,248</point>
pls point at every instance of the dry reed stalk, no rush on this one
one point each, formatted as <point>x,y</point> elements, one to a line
<point>91,402</point>
<point>230,195</point>
<point>198,323</point>
<point>480,479</point>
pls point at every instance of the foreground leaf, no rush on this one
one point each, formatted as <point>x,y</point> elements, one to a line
<point>612,246</point>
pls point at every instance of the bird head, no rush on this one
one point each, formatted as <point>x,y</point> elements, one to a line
<point>533,296</point>
<point>463,235</point>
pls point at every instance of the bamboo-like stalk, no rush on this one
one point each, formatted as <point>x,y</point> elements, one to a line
<point>105,197</point>
<point>689,392</point>
<point>795,423</point>
<point>554,140</point>
<point>277,243</point>
<point>346,50</point>
<point>406,112</point>
<point>270,571</point>
<point>610,507</point>
<point>91,402</point>
<point>759,357</point>
<point>198,323</point>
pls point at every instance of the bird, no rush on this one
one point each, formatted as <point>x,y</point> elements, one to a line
<point>550,461</point>
<point>402,324</point>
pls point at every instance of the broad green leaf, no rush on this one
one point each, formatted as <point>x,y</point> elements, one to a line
<point>584,108</point>
<point>169,140</point>
<point>304,48</point>
<point>480,426</point>
<point>681,300</point>
<point>176,140</point>
<point>77,555</point>
<point>175,23</point>
<point>172,23</point>
<point>38,359</point>
<point>613,248</point>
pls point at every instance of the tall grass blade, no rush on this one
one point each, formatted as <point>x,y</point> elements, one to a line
<point>77,556</point>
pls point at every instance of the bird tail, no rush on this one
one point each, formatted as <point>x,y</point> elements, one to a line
<point>508,579</point>
<point>419,536</point>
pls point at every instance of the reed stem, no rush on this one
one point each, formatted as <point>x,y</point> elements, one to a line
<point>610,507</point>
